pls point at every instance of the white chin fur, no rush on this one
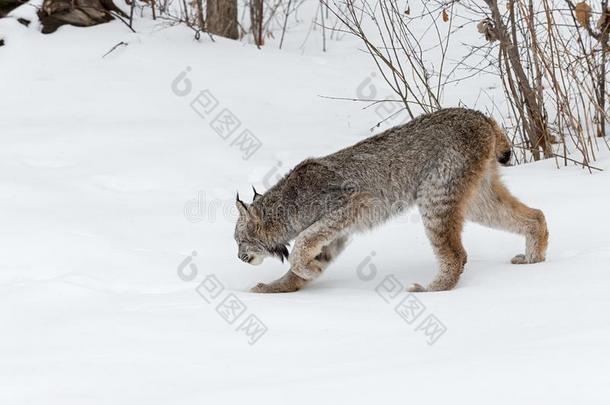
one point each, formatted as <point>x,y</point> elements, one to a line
<point>256,261</point>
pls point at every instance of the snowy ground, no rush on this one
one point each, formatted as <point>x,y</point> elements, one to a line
<point>109,180</point>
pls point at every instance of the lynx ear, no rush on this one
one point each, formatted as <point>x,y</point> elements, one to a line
<point>256,194</point>
<point>241,206</point>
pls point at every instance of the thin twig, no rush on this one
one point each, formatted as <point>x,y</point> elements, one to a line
<point>115,47</point>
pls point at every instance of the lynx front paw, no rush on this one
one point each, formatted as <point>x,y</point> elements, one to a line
<point>273,288</point>
<point>519,259</point>
<point>416,288</point>
<point>522,259</point>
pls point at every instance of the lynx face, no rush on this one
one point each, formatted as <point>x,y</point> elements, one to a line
<point>248,249</point>
<point>248,235</point>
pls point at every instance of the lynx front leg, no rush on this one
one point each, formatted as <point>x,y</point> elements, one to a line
<point>495,207</point>
<point>290,282</point>
<point>331,251</point>
<point>320,243</point>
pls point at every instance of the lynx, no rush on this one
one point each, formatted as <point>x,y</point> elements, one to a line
<point>445,163</point>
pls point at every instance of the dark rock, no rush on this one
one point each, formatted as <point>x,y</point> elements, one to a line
<point>81,13</point>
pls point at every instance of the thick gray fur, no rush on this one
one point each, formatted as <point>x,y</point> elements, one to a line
<point>444,162</point>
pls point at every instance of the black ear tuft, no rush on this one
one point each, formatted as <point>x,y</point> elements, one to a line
<point>240,204</point>
<point>256,194</point>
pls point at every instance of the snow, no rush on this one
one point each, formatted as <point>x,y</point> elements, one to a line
<point>109,181</point>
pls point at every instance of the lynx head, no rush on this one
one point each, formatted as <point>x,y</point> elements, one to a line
<point>252,242</point>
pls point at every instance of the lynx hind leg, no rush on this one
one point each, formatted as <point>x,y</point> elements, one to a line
<point>495,207</point>
<point>442,201</point>
<point>443,225</point>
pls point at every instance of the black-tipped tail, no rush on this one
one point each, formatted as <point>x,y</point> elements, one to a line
<point>504,159</point>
